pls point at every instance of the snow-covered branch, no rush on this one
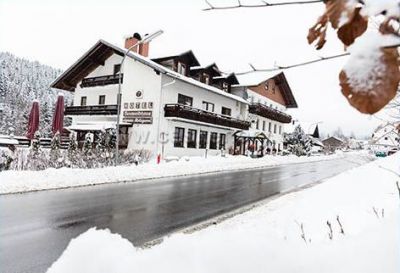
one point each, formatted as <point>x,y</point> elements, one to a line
<point>280,67</point>
<point>261,5</point>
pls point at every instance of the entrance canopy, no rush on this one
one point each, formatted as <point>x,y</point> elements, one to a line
<point>249,140</point>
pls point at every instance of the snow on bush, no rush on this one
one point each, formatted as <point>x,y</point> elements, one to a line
<point>288,234</point>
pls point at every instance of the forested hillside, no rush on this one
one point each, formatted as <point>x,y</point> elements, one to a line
<point>22,81</point>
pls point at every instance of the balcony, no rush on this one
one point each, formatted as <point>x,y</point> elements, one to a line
<point>92,110</point>
<point>268,112</point>
<point>102,80</point>
<point>187,112</point>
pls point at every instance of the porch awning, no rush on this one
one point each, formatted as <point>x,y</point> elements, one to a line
<point>251,134</point>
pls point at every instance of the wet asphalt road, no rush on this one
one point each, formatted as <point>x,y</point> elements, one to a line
<point>36,227</point>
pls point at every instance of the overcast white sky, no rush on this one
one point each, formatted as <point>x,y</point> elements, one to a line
<point>57,32</point>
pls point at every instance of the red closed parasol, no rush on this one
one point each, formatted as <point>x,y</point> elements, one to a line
<point>33,122</point>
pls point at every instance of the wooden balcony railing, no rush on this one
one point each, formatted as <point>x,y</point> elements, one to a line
<point>91,110</point>
<point>268,112</point>
<point>102,80</point>
<point>187,112</point>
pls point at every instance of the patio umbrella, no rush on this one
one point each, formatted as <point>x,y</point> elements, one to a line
<point>33,122</point>
<point>58,117</point>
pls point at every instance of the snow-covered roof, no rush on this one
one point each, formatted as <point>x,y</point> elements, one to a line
<point>334,137</point>
<point>252,133</point>
<point>150,63</point>
<point>316,141</point>
<point>254,79</point>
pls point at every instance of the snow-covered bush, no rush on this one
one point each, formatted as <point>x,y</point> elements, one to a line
<point>298,142</point>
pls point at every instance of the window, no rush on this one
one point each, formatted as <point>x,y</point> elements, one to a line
<point>222,140</point>
<point>102,100</point>
<point>181,68</point>
<point>274,128</point>
<point>263,125</point>
<point>117,68</point>
<point>185,100</point>
<point>225,86</point>
<point>203,140</point>
<point>280,129</point>
<point>191,139</point>
<point>269,127</point>
<point>83,101</point>
<point>213,141</point>
<point>226,111</point>
<point>257,123</point>
<point>179,136</point>
<point>205,78</point>
<point>208,106</point>
<point>266,86</point>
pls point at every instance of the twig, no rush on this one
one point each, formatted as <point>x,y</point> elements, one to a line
<point>330,233</point>
<point>277,68</point>
<point>376,212</point>
<point>398,187</point>
<point>303,234</point>
<point>262,5</point>
<point>383,213</point>
<point>340,224</point>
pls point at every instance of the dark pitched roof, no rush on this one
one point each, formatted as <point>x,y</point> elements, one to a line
<point>187,55</point>
<point>94,57</point>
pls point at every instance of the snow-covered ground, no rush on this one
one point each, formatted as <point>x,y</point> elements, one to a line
<point>24,181</point>
<point>287,234</point>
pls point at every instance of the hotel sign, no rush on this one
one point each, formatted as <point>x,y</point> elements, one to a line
<point>138,117</point>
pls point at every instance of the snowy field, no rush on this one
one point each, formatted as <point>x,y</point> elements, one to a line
<point>287,234</point>
<point>24,181</point>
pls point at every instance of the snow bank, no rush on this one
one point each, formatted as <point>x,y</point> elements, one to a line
<point>269,237</point>
<point>23,181</point>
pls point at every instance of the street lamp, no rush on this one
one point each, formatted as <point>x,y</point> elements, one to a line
<point>146,39</point>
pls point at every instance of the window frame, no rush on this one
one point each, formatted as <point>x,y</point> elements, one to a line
<point>181,68</point>
<point>226,108</point>
<point>117,69</point>
<point>83,98</point>
<point>185,97</point>
<point>222,144</point>
<point>213,140</point>
<point>102,99</point>
<point>206,105</point>
<point>191,143</point>
<point>203,142</point>
<point>179,137</point>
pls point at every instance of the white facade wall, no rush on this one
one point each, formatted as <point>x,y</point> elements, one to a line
<point>158,89</point>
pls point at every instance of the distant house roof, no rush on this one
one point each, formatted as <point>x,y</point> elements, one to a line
<point>101,51</point>
<point>281,81</point>
<point>334,138</point>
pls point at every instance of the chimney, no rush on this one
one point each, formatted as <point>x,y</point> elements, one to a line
<point>142,49</point>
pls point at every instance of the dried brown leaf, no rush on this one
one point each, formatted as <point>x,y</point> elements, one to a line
<point>381,91</point>
<point>353,29</point>
<point>318,32</point>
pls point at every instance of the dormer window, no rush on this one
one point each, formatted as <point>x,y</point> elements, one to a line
<point>181,68</point>
<point>205,78</point>
<point>225,86</point>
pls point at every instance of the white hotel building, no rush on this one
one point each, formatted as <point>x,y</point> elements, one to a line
<point>171,106</point>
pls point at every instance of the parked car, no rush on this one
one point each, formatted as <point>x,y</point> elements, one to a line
<point>380,154</point>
